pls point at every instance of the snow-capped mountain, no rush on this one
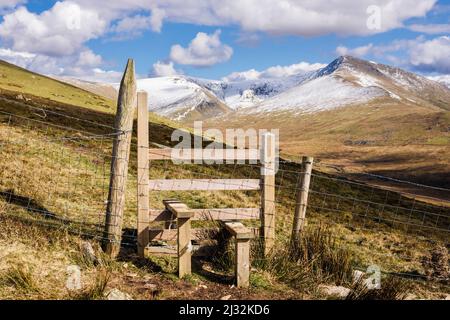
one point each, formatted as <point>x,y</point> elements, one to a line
<point>179,97</point>
<point>248,93</point>
<point>348,81</point>
<point>345,81</point>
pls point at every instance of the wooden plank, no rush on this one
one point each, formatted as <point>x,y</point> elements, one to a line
<point>210,214</point>
<point>197,234</point>
<point>123,126</point>
<point>242,263</point>
<point>179,209</point>
<point>238,230</point>
<point>204,184</point>
<point>184,247</point>
<point>171,250</point>
<point>143,173</point>
<point>205,154</point>
<point>268,190</point>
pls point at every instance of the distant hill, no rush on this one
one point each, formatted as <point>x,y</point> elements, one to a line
<point>102,89</point>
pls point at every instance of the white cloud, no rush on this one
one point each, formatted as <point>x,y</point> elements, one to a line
<point>306,18</point>
<point>85,65</point>
<point>162,69</point>
<point>89,59</point>
<point>251,74</point>
<point>128,24</point>
<point>204,50</point>
<point>60,31</point>
<point>8,4</point>
<point>358,51</point>
<point>134,26</point>
<point>156,19</point>
<point>274,72</point>
<point>283,71</point>
<point>432,55</point>
<point>430,28</point>
<point>18,58</point>
<point>58,36</point>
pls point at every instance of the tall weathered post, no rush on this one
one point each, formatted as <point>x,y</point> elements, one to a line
<point>126,106</point>
<point>302,198</point>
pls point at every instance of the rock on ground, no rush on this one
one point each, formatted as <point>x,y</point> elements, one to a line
<point>89,253</point>
<point>336,291</point>
<point>116,294</point>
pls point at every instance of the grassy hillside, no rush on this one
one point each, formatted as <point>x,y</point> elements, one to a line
<point>13,78</point>
<point>54,173</point>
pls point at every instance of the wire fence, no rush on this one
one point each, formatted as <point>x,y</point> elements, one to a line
<point>55,170</point>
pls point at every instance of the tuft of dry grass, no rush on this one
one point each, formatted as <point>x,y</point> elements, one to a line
<point>21,278</point>
<point>436,263</point>
<point>392,288</point>
<point>314,259</point>
<point>98,289</point>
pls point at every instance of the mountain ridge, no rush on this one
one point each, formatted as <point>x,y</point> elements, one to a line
<point>345,81</point>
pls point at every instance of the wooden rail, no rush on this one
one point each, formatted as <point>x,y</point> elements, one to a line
<point>210,214</point>
<point>203,184</point>
<point>204,154</point>
<point>197,234</point>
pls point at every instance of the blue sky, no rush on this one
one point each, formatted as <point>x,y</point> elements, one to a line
<point>93,39</point>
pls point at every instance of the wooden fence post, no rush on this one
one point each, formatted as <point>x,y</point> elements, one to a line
<point>142,172</point>
<point>268,190</point>
<point>302,198</point>
<point>184,246</point>
<point>126,105</point>
<point>242,263</point>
